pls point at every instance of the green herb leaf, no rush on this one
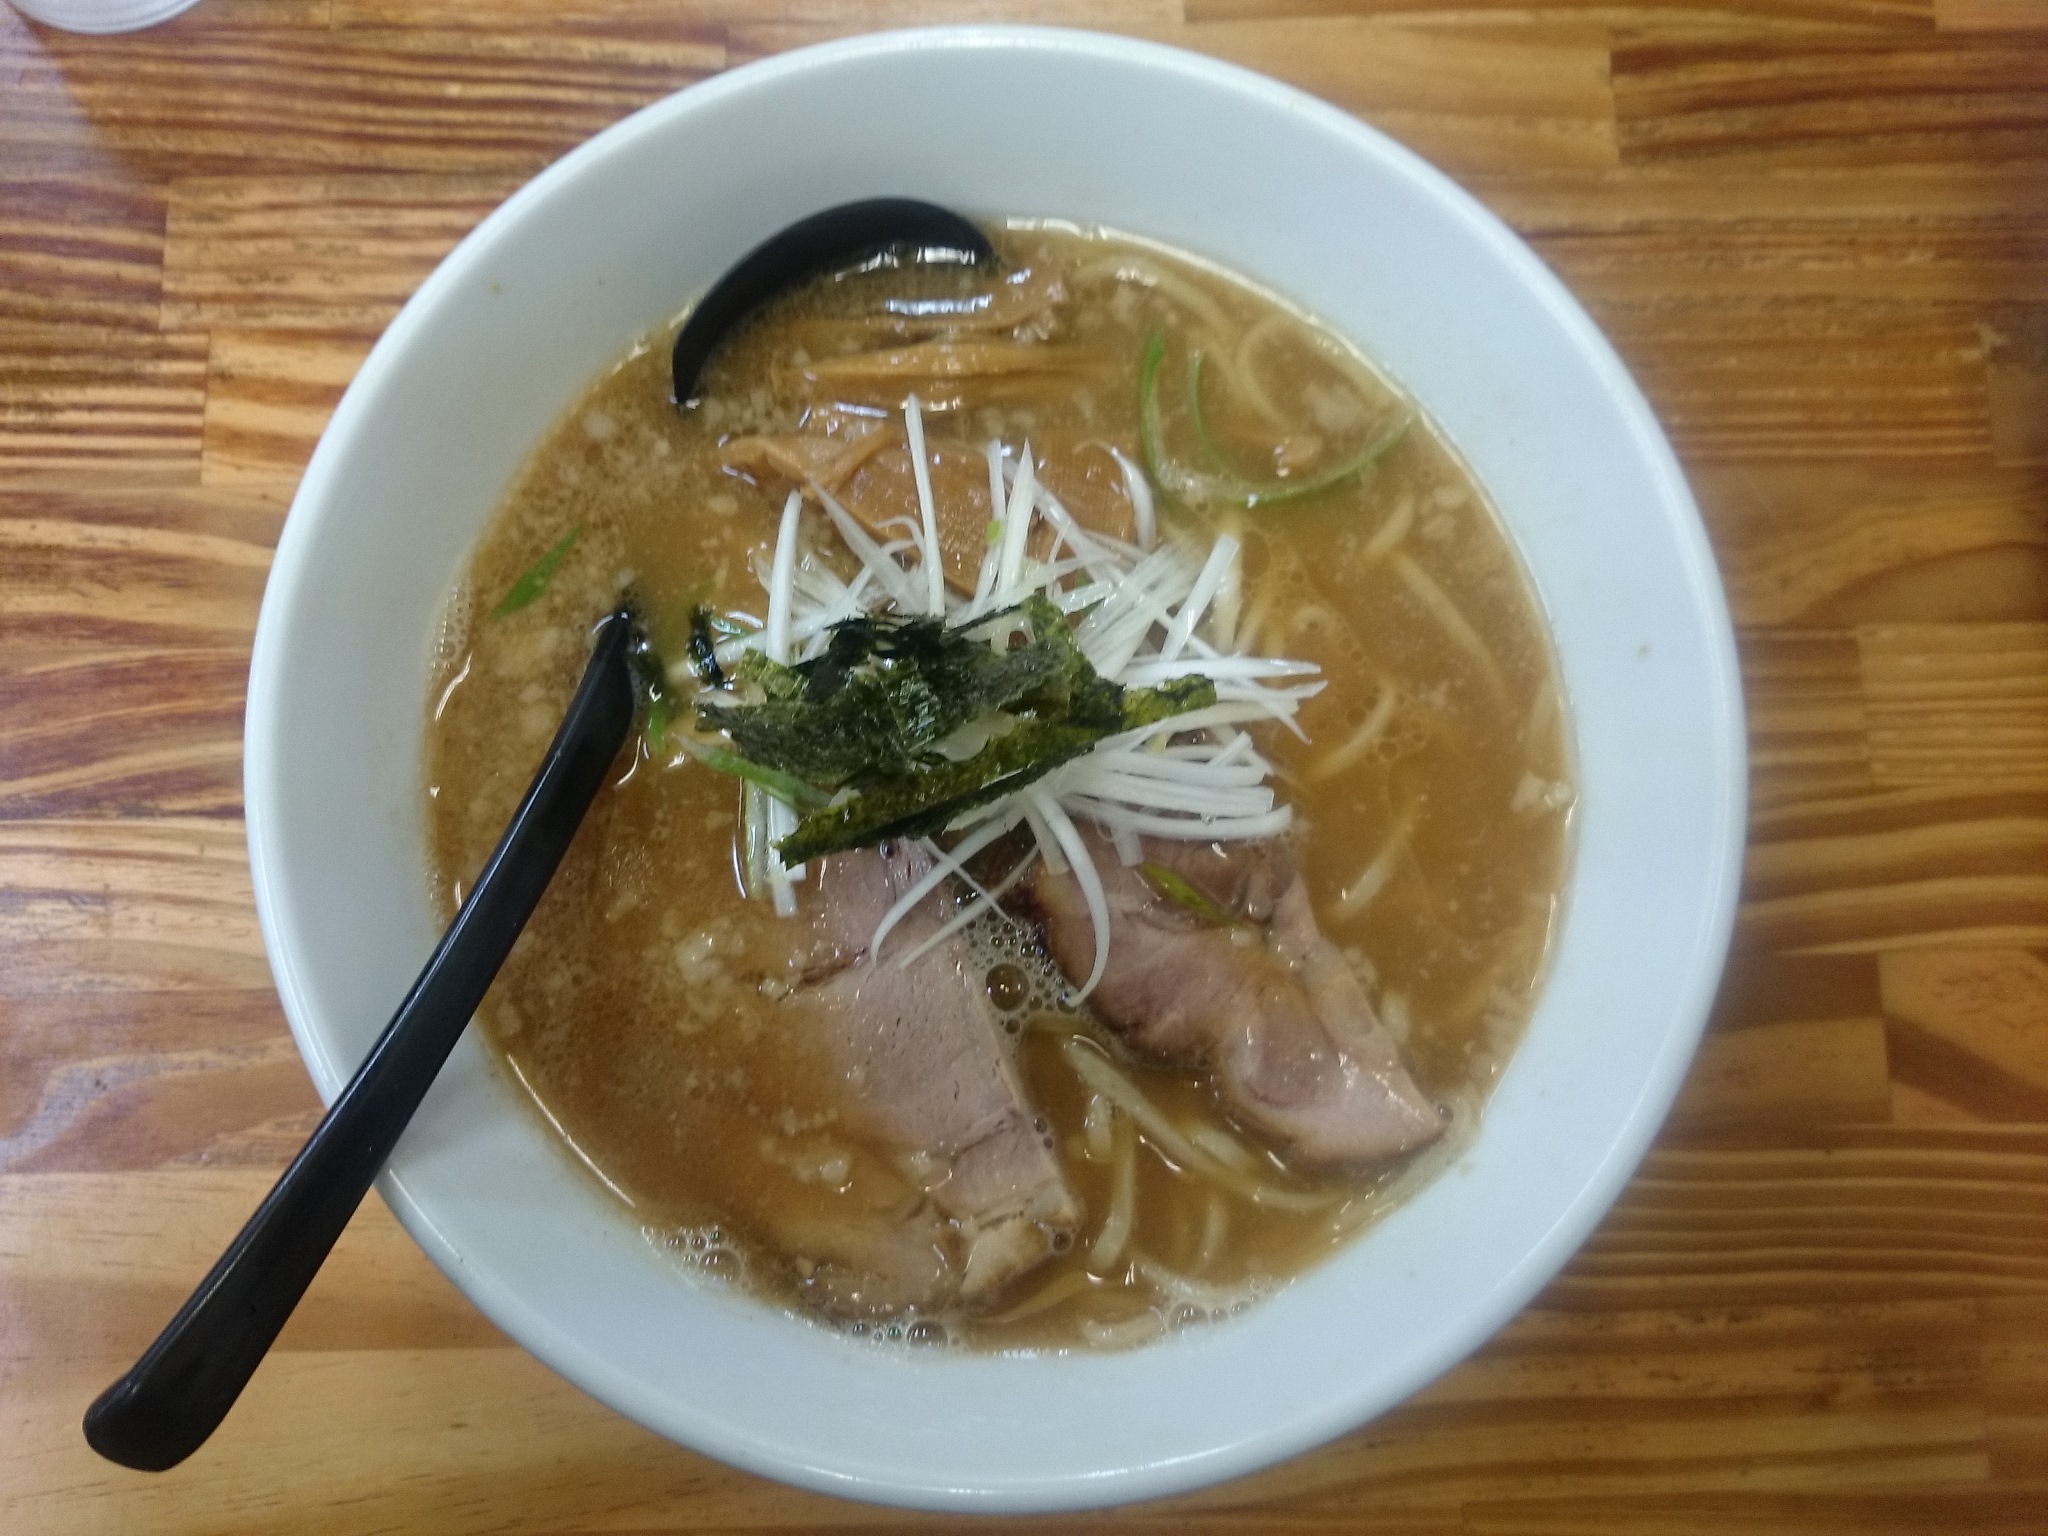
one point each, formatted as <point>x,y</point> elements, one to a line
<point>535,581</point>
<point>1182,894</point>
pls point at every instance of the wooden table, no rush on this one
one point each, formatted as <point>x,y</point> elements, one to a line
<point>1818,232</point>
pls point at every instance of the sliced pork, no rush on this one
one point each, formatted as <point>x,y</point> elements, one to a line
<point>1249,990</point>
<point>927,1083</point>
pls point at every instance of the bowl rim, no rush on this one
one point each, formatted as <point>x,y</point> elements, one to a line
<point>1693,993</point>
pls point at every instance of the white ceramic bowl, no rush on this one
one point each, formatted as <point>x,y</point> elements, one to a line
<point>604,245</point>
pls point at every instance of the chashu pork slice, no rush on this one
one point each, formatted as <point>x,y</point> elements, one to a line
<point>1264,1003</point>
<point>926,1081</point>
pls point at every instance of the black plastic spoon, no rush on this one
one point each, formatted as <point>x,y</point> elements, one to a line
<point>835,239</point>
<point>175,1396</point>
<point>182,1387</point>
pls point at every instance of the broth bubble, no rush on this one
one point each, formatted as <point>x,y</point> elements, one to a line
<point>1007,987</point>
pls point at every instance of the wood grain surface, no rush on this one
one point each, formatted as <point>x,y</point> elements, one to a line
<point>1817,230</point>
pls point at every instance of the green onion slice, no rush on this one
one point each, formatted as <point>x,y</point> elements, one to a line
<point>537,576</point>
<point>1182,894</point>
<point>1225,487</point>
<point>786,787</point>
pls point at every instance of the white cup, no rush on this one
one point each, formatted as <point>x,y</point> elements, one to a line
<point>101,15</point>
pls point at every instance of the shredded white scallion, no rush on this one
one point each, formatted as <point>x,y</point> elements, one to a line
<point>1152,612</point>
<point>921,473</point>
<point>992,556</point>
<point>1143,515</point>
<point>1222,554</point>
<point>1069,839</point>
<point>779,818</point>
<point>984,901</point>
<point>1016,524</point>
<point>1129,851</point>
<point>782,578</point>
<point>944,864</point>
<point>893,578</point>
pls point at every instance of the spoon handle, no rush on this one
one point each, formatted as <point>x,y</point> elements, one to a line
<point>182,1387</point>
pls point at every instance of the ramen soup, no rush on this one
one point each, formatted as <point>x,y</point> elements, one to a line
<point>1167,745</point>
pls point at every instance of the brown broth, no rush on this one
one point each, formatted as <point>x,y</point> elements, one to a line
<point>639,1008</point>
